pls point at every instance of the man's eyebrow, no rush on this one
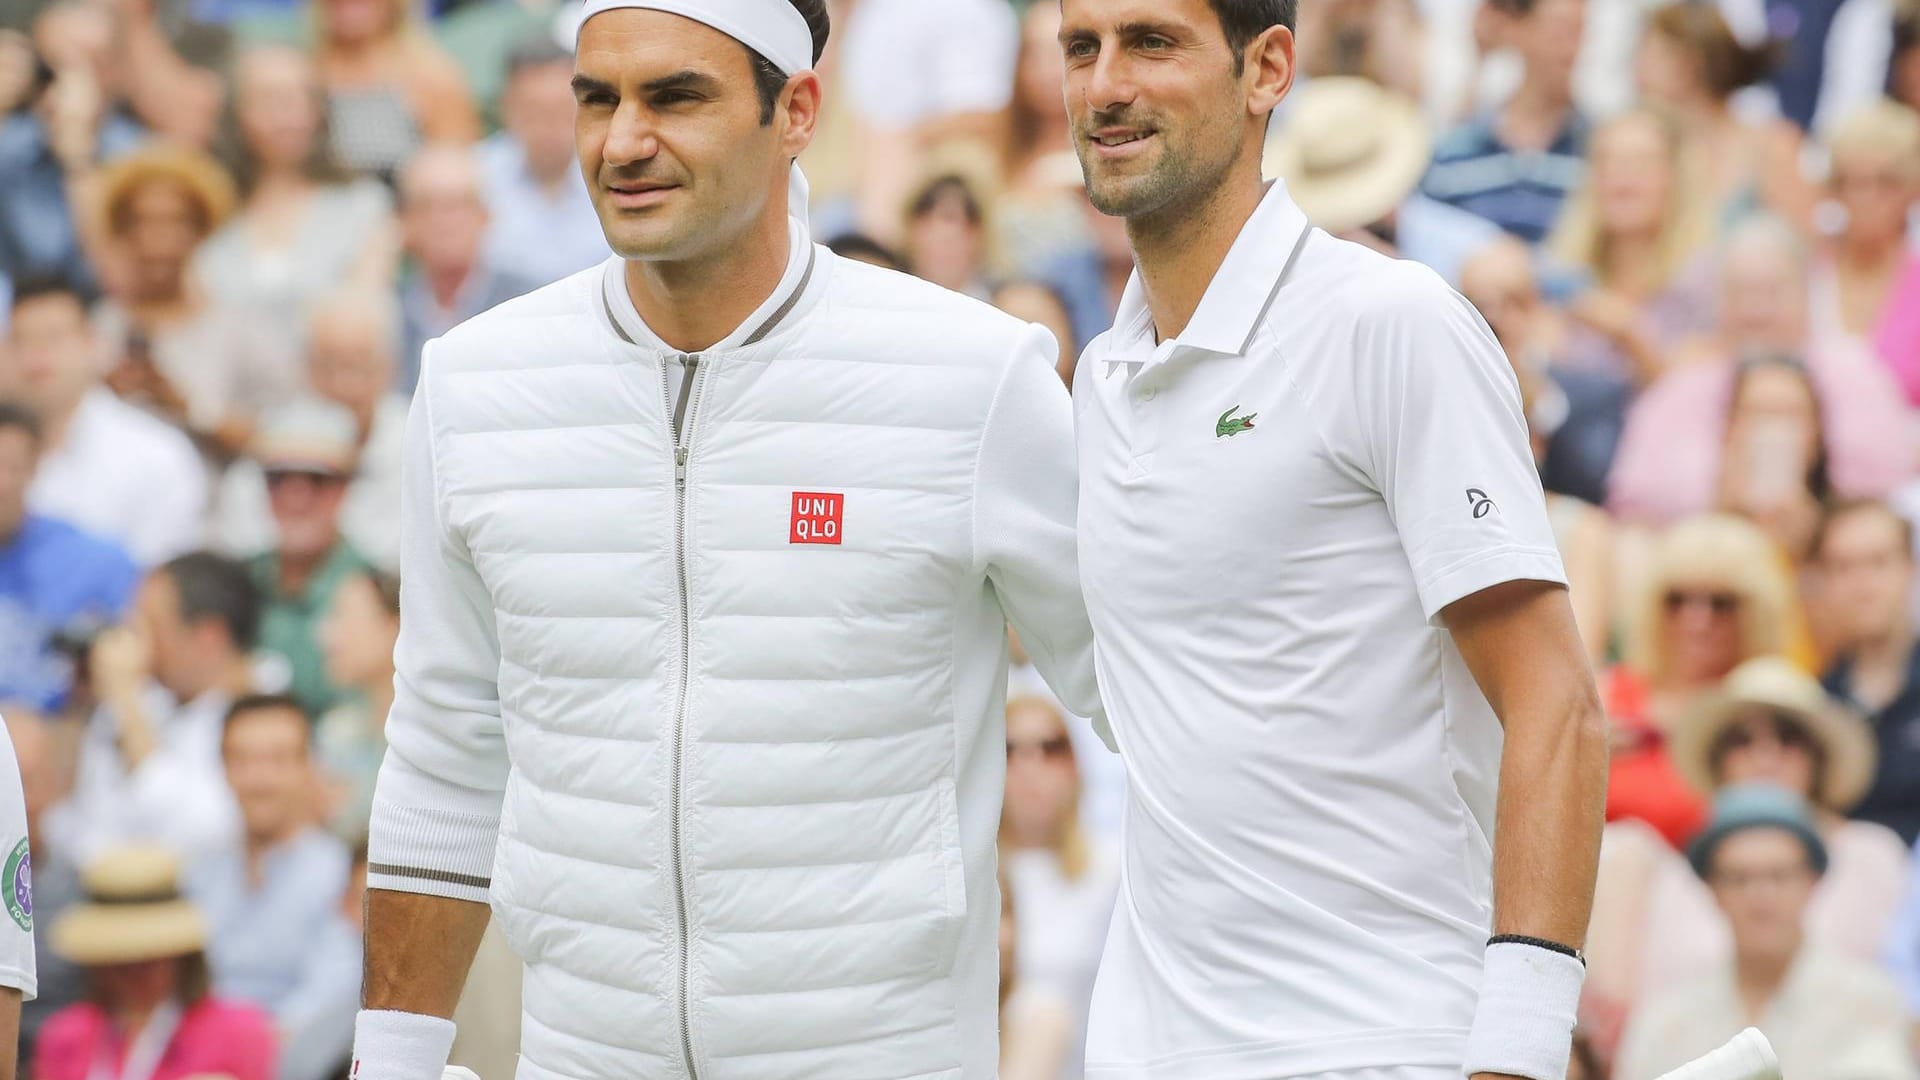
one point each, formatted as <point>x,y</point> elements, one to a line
<point>688,79</point>
<point>587,84</point>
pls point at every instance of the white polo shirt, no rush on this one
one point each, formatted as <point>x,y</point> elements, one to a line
<point>1274,509</point>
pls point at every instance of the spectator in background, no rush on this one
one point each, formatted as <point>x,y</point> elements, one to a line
<point>1863,554</point>
<point>151,1015</point>
<point>1517,165</point>
<point>1352,154</point>
<point>1376,40</point>
<point>863,248</point>
<point>1038,302</point>
<point>1867,282</point>
<point>350,363</point>
<point>1037,216</point>
<point>50,152</point>
<point>1574,418</point>
<point>358,638</point>
<point>54,579</point>
<point>946,234</point>
<point>1827,1015</point>
<point>272,903</point>
<point>104,465</point>
<point>444,214</point>
<point>1775,470</point>
<point>209,368</point>
<point>1692,65</point>
<point>149,760</point>
<point>918,75</point>
<point>1636,236</point>
<point>308,452</point>
<point>541,223</point>
<point>1066,881</point>
<point>305,226</point>
<point>389,87</point>
<point>1673,458</point>
<point>1717,594</point>
<point>1036,1026</point>
<point>1903,67</point>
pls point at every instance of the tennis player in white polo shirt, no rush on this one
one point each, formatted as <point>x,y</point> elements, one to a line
<point>1323,587</point>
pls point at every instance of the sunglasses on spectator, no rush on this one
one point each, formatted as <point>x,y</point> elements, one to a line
<point>280,478</point>
<point>1057,749</point>
<point>1786,728</point>
<point>1721,602</point>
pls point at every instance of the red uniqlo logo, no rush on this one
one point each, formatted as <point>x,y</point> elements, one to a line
<point>816,517</point>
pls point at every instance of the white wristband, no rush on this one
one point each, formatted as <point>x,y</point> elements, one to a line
<point>389,1045</point>
<point>1523,1025</point>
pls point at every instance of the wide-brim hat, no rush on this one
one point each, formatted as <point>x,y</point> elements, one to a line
<point>1350,151</point>
<point>1773,683</point>
<point>202,177</point>
<point>133,912</point>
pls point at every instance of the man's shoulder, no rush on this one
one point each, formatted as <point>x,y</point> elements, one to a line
<point>902,309</point>
<point>1347,282</point>
<point>78,552</point>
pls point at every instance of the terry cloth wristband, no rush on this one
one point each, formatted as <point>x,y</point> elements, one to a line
<point>390,1045</point>
<point>1523,1026</point>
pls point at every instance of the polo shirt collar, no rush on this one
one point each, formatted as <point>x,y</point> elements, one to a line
<point>1237,297</point>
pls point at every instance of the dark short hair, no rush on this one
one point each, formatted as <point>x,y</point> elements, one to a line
<point>767,77</point>
<point>216,587</point>
<point>249,704</point>
<point>1841,509</point>
<point>866,249</point>
<point>14,415</point>
<point>931,193</point>
<point>536,50</point>
<point>1244,20</point>
<point>40,286</point>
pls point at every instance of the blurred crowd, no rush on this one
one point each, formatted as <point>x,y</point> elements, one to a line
<point>227,227</point>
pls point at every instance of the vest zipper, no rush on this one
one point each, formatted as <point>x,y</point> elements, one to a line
<point>682,420</point>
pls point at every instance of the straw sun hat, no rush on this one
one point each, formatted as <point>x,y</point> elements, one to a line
<point>1772,683</point>
<point>133,912</point>
<point>1350,152</point>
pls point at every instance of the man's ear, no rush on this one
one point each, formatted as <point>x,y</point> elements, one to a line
<point>800,102</point>
<point>1269,69</point>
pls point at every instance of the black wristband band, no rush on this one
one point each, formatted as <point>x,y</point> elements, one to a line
<point>1538,943</point>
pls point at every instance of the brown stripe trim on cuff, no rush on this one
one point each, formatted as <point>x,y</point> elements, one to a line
<point>420,874</point>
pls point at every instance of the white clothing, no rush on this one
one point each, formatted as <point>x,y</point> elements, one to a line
<point>1275,509</point>
<point>369,513</point>
<point>127,475</point>
<point>909,61</point>
<point>16,879</point>
<point>178,797</point>
<point>736,725</point>
<point>1062,927</point>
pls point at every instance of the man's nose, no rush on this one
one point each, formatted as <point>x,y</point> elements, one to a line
<point>632,136</point>
<point>1110,82</point>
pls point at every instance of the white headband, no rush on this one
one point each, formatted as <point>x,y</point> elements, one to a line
<point>773,28</point>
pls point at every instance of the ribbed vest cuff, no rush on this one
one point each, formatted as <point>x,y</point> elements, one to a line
<point>435,852</point>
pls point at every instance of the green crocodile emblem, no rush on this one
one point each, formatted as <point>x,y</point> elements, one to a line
<point>1230,424</point>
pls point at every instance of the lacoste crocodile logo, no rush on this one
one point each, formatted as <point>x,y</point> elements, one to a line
<point>1230,424</point>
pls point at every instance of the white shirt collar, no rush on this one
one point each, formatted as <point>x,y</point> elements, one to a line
<point>777,306</point>
<point>1236,298</point>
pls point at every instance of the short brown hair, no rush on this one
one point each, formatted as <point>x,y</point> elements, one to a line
<point>1244,20</point>
<point>1840,509</point>
<point>1726,64</point>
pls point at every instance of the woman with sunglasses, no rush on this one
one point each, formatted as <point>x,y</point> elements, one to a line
<point>1771,723</point>
<point>1716,593</point>
<point>1066,881</point>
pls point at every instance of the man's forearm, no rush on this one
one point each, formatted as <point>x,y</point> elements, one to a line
<point>1553,795</point>
<point>419,949</point>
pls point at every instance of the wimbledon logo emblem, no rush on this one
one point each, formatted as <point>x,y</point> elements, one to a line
<point>17,884</point>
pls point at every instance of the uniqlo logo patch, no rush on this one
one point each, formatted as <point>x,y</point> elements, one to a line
<point>816,517</point>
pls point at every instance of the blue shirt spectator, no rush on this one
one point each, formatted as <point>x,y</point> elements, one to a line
<point>280,938</point>
<point>542,223</point>
<point>55,580</point>
<point>37,233</point>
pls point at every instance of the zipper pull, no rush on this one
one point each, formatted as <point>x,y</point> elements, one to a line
<point>680,466</point>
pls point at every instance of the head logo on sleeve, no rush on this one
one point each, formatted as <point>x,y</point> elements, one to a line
<point>816,518</point>
<point>1482,503</point>
<point>17,883</point>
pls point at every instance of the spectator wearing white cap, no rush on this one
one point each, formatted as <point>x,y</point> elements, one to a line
<point>105,466</point>
<point>308,453</point>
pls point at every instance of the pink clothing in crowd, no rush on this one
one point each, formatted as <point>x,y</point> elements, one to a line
<point>214,1038</point>
<point>1898,338</point>
<point>1668,464</point>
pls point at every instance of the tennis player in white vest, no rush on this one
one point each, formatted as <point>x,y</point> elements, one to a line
<point>1323,585</point>
<point>708,558</point>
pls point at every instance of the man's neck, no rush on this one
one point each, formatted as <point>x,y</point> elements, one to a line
<point>1535,115</point>
<point>1627,265</point>
<point>445,282</point>
<point>1879,665</point>
<point>297,568</point>
<point>694,304</point>
<point>58,421</point>
<point>1759,979</point>
<point>260,845</point>
<point>1179,251</point>
<point>232,678</point>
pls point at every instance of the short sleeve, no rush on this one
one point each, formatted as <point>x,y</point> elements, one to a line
<point>1442,436</point>
<point>16,880</point>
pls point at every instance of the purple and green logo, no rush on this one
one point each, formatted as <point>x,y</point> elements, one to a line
<point>17,885</point>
